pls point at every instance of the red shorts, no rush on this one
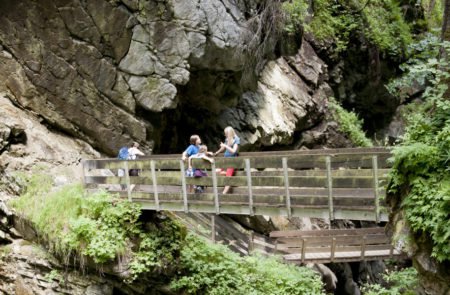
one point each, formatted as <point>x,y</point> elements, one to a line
<point>230,171</point>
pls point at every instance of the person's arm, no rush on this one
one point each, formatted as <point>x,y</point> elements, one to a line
<point>205,157</point>
<point>139,153</point>
<point>230,149</point>
<point>221,149</point>
<point>184,156</point>
<point>190,162</point>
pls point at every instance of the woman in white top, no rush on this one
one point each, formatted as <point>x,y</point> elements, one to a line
<point>133,152</point>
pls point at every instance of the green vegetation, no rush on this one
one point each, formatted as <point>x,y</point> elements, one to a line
<point>99,226</point>
<point>105,228</point>
<point>349,123</point>
<point>421,163</point>
<point>381,22</point>
<point>402,282</point>
<point>214,269</point>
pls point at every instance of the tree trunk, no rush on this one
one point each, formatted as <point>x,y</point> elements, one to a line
<point>446,22</point>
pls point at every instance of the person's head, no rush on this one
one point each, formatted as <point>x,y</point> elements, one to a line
<point>203,149</point>
<point>229,134</point>
<point>195,140</point>
<point>134,144</point>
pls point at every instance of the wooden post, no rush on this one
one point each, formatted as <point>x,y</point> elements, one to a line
<point>213,228</point>
<point>249,185</point>
<point>155,185</point>
<point>391,250</point>
<point>83,172</point>
<point>333,249</point>
<point>127,179</point>
<point>363,247</point>
<point>330,187</point>
<point>275,249</point>
<point>303,250</point>
<point>251,237</point>
<point>216,194</point>
<point>375,187</point>
<point>183,187</point>
<point>286,187</point>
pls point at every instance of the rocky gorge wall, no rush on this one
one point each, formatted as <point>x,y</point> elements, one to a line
<point>108,72</point>
<point>82,78</point>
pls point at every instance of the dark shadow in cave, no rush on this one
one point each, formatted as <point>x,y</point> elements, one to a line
<point>200,104</point>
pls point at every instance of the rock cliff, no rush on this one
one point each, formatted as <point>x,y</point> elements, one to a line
<point>108,72</point>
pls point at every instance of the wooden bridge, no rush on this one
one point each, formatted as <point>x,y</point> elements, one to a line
<point>296,246</point>
<point>334,184</point>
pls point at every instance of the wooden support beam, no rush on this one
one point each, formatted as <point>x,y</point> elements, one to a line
<point>155,185</point>
<point>127,179</point>
<point>330,187</point>
<point>249,185</point>
<point>391,250</point>
<point>333,249</point>
<point>183,186</point>
<point>215,191</point>
<point>375,188</point>
<point>286,187</point>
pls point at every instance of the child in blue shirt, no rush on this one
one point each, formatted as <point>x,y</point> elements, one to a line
<point>192,149</point>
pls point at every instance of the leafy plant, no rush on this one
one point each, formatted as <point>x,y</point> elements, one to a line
<point>349,123</point>
<point>381,22</point>
<point>100,226</point>
<point>421,163</point>
<point>213,269</point>
<point>403,282</point>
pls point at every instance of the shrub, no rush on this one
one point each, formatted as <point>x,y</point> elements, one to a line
<point>100,226</point>
<point>213,269</point>
<point>349,124</point>
<point>420,173</point>
<point>403,282</point>
<point>380,22</point>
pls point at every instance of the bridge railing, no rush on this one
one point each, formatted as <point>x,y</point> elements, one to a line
<point>335,245</point>
<point>335,184</point>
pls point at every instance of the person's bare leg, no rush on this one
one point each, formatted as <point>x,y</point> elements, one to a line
<point>226,189</point>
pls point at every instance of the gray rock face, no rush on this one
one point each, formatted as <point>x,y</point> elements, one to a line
<point>85,66</point>
<point>103,71</point>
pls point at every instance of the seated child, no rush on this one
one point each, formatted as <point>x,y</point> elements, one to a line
<point>202,154</point>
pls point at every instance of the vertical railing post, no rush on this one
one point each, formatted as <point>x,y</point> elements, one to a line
<point>375,187</point>
<point>333,249</point>
<point>249,185</point>
<point>251,246</point>
<point>183,187</point>
<point>391,249</point>
<point>83,172</point>
<point>303,250</point>
<point>127,179</point>
<point>155,185</point>
<point>363,247</point>
<point>286,187</point>
<point>329,187</point>
<point>213,228</point>
<point>216,194</point>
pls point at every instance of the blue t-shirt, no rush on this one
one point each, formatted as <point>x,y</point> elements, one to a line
<point>235,141</point>
<point>192,150</point>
